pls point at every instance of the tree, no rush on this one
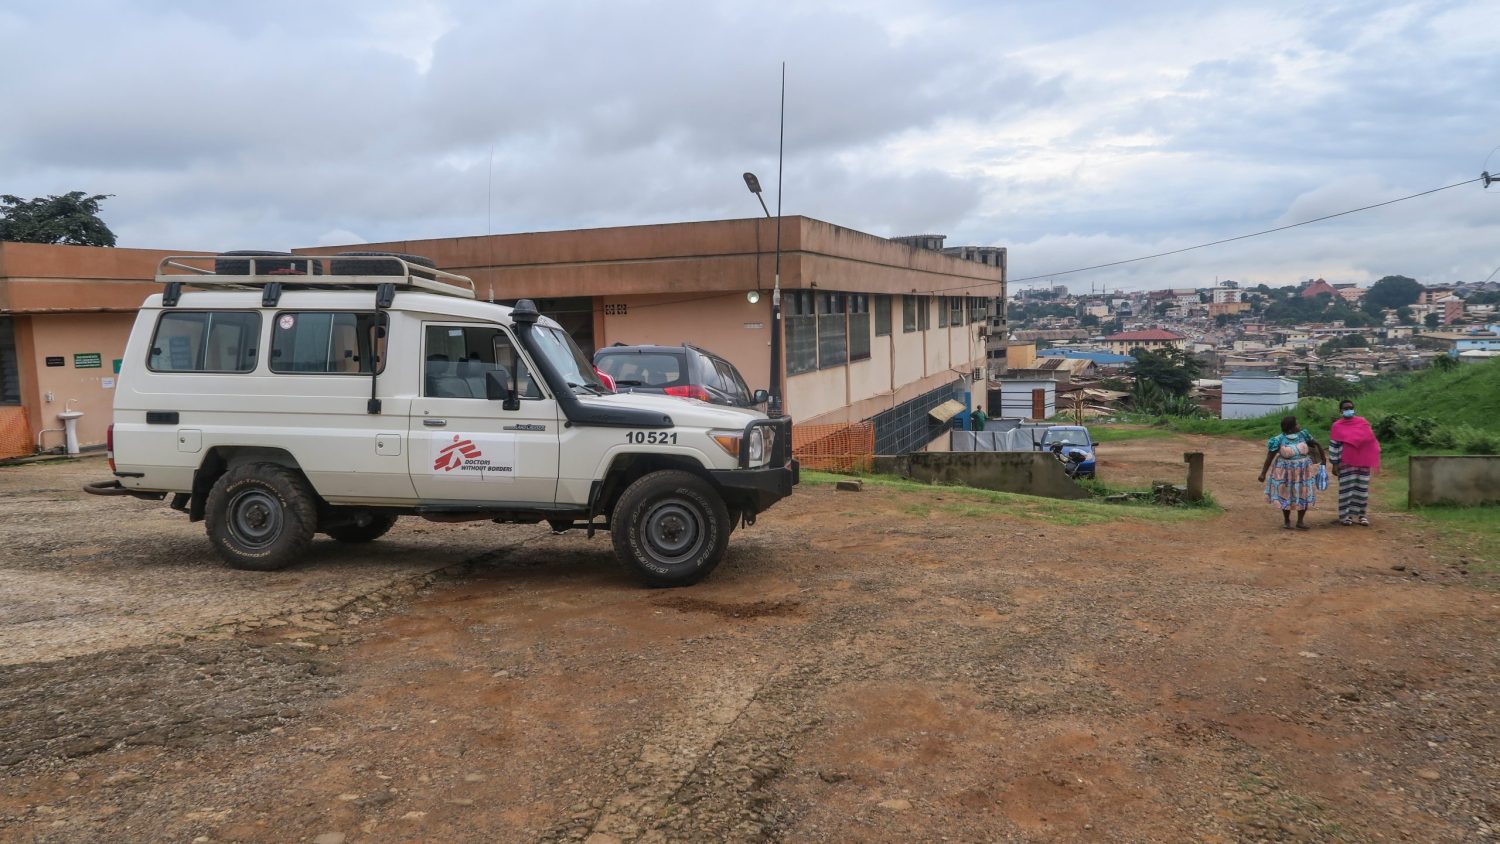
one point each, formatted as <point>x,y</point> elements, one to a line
<point>1163,307</point>
<point>1088,321</point>
<point>1222,320</point>
<point>1170,369</point>
<point>71,218</point>
<point>1393,291</point>
<point>1404,315</point>
<point>1432,320</point>
<point>1329,387</point>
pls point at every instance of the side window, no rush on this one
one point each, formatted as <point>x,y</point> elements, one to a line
<point>326,343</point>
<point>708,370</point>
<point>205,341</point>
<point>733,383</point>
<point>458,357</point>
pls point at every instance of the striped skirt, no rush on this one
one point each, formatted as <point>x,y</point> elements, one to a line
<point>1354,491</point>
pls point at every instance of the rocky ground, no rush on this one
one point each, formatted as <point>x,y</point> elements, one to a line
<point>871,666</point>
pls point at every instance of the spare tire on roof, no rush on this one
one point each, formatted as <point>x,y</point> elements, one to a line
<point>368,267</point>
<point>226,263</point>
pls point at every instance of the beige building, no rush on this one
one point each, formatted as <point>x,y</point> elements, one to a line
<point>65,313</point>
<point>872,327</point>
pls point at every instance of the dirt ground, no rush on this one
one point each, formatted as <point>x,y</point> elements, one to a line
<point>872,666</point>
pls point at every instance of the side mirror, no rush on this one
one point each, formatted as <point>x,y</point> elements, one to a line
<point>760,397</point>
<point>497,388</point>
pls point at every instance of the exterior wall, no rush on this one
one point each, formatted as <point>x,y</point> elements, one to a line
<point>64,335</point>
<point>726,324</point>
<point>1467,479</point>
<point>1020,356</point>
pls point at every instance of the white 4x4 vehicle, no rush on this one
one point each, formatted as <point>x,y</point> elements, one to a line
<point>295,395</point>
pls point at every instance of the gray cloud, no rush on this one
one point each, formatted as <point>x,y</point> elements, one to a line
<point>1075,133</point>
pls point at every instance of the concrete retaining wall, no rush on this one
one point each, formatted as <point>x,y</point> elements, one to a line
<point>1024,472</point>
<point>1465,479</point>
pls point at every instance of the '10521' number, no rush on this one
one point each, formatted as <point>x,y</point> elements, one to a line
<point>651,437</point>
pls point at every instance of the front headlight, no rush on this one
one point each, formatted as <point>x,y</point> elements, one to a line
<point>732,442</point>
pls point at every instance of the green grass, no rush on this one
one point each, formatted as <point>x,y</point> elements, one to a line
<point>1110,434</point>
<point>1469,395</point>
<point>922,500</point>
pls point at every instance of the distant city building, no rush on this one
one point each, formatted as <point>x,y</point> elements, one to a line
<point>1153,339</point>
<point>1318,287</point>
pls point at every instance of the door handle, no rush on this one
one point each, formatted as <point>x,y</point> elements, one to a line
<point>434,423</point>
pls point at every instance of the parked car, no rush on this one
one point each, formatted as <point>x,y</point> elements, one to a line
<point>1071,440</point>
<point>684,371</point>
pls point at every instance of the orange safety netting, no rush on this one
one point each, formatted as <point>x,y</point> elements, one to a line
<point>835,448</point>
<point>15,432</point>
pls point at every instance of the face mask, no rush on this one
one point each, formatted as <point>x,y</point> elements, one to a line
<point>1349,414</point>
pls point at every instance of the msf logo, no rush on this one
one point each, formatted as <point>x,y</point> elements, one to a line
<point>454,454</point>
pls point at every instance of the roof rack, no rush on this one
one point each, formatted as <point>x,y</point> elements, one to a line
<point>309,271</point>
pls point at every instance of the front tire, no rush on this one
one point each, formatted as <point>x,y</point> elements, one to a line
<point>261,516</point>
<point>671,527</point>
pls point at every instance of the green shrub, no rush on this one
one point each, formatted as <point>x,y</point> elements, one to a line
<point>1475,441</point>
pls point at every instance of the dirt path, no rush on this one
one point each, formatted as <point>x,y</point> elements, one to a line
<point>879,666</point>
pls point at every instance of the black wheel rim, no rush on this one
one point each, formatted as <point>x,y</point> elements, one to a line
<point>256,518</point>
<point>673,531</point>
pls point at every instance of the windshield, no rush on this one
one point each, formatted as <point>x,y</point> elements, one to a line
<point>564,355</point>
<point>1066,438</point>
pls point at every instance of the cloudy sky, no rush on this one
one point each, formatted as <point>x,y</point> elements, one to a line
<point>1072,132</point>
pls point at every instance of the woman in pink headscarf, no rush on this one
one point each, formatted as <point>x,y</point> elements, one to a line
<point>1356,456</point>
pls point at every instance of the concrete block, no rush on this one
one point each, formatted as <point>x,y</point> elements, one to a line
<point>850,485</point>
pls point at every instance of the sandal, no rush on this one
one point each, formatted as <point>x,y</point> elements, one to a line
<point>1303,527</point>
<point>1364,522</point>
<point>1346,521</point>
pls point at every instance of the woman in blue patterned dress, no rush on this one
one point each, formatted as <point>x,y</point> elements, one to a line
<point>1292,484</point>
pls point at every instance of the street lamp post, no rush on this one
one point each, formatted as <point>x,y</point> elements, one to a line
<point>773,407</point>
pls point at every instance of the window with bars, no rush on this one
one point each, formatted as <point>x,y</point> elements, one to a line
<point>10,371</point>
<point>908,314</point>
<point>882,315</point>
<point>924,312</point>
<point>859,326</point>
<point>955,310</point>
<point>833,329</point>
<point>801,332</point>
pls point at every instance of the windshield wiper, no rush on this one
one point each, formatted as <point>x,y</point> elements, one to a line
<point>629,382</point>
<point>595,391</point>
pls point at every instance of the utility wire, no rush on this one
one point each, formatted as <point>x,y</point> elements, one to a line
<point>1218,242</point>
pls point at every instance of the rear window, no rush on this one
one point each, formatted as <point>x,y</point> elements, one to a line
<point>205,341</point>
<point>326,343</point>
<point>650,369</point>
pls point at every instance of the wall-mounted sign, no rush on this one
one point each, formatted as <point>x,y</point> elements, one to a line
<point>755,325</point>
<point>117,366</point>
<point>88,360</point>
<point>107,383</point>
<point>56,360</point>
<point>616,310</point>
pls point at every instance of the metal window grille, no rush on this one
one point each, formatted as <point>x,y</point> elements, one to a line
<point>10,375</point>
<point>859,326</point>
<point>801,333</point>
<point>924,312</point>
<point>882,316</point>
<point>833,330</point>
<point>908,314</point>
<point>907,427</point>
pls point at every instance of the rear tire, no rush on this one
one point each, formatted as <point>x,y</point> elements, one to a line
<point>355,532</point>
<point>261,516</point>
<point>671,528</point>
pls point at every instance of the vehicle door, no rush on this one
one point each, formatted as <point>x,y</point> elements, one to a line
<point>470,449</point>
